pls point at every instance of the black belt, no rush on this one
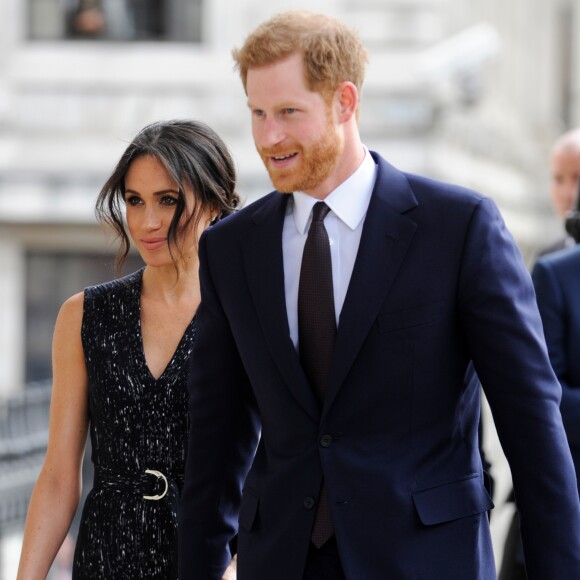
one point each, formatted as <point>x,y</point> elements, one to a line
<point>151,484</point>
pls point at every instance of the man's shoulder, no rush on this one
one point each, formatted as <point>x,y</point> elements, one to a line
<point>563,269</point>
<point>427,189</point>
<point>247,212</point>
<point>565,261</point>
<point>562,243</point>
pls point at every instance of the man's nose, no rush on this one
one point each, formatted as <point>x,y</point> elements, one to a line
<point>571,193</point>
<point>271,133</point>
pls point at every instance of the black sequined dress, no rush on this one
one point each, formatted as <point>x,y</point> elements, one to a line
<point>137,423</point>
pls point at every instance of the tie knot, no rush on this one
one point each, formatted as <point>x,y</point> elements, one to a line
<point>320,211</point>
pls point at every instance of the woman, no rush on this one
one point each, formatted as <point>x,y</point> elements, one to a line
<point>120,353</point>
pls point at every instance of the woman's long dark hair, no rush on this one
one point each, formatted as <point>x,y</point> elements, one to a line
<point>193,155</point>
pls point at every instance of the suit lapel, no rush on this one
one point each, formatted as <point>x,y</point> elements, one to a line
<point>263,259</point>
<point>384,242</point>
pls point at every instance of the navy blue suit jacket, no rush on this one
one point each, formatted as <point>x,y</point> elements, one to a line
<point>557,281</point>
<point>438,283</point>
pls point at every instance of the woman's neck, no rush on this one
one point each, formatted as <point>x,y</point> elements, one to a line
<point>166,284</point>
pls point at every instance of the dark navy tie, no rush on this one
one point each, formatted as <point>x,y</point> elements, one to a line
<point>316,332</point>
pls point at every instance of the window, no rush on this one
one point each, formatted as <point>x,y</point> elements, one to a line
<point>120,20</point>
<point>51,278</point>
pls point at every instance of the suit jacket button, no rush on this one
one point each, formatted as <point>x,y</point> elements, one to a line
<point>309,502</point>
<point>326,440</point>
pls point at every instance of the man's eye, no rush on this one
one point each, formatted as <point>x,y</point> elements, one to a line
<point>289,110</point>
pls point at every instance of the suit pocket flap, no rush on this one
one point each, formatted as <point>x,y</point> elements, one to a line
<point>411,317</point>
<point>452,501</point>
<point>248,510</point>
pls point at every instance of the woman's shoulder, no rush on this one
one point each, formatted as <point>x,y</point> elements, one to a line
<point>70,317</point>
<point>72,307</point>
<point>114,289</point>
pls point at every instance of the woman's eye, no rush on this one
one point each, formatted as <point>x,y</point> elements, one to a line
<point>168,200</point>
<point>132,200</point>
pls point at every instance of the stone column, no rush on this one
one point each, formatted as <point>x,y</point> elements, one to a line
<point>12,314</point>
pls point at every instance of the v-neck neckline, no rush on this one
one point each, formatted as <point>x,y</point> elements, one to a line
<point>141,344</point>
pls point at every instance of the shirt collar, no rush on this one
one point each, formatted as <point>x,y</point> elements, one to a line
<point>349,201</point>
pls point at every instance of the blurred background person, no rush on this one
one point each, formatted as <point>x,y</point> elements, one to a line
<point>120,360</point>
<point>87,19</point>
<point>564,179</point>
<point>110,19</point>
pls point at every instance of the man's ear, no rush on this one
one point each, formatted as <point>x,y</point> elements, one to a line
<point>347,99</point>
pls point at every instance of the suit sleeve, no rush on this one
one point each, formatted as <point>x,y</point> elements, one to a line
<point>502,326</point>
<point>554,315</point>
<point>224,431</point>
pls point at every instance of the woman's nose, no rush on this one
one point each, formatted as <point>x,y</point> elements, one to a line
<point>152,219</point>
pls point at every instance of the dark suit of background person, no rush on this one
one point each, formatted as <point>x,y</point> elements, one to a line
<point>438,281</point>
<point>557,282</point>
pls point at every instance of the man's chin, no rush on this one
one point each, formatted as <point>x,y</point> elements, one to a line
<point>282,185</point>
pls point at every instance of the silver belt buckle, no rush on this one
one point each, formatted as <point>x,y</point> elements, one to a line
<point>159,475</point>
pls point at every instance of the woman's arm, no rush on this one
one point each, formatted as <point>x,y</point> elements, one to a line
<point>57,490</point>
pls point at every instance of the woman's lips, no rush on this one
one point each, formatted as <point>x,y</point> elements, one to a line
<point>153,243</point>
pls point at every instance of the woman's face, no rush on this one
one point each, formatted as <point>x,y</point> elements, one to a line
<point>151,197</point>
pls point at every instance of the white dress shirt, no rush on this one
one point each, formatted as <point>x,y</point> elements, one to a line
<point>348,204</point>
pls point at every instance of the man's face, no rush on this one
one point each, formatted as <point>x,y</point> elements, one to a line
<point>565,167</point>
<point>294,129</point>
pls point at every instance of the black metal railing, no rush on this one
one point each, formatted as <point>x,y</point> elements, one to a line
<point>23,440</point>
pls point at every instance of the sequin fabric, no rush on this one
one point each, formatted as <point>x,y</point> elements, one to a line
<point>136,423</point>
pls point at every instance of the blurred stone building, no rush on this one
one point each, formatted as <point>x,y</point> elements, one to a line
<point>471,91</point>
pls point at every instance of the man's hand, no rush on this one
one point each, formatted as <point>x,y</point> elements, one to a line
<point>230,573</point>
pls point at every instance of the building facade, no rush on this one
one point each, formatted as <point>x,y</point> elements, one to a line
<point>472,92</point>
<point>469,91</point>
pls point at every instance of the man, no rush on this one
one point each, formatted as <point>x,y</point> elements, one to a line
<point>564,176</point>
<point>368,465</point>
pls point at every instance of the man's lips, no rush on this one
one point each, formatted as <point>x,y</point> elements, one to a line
<point>282,160</point>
